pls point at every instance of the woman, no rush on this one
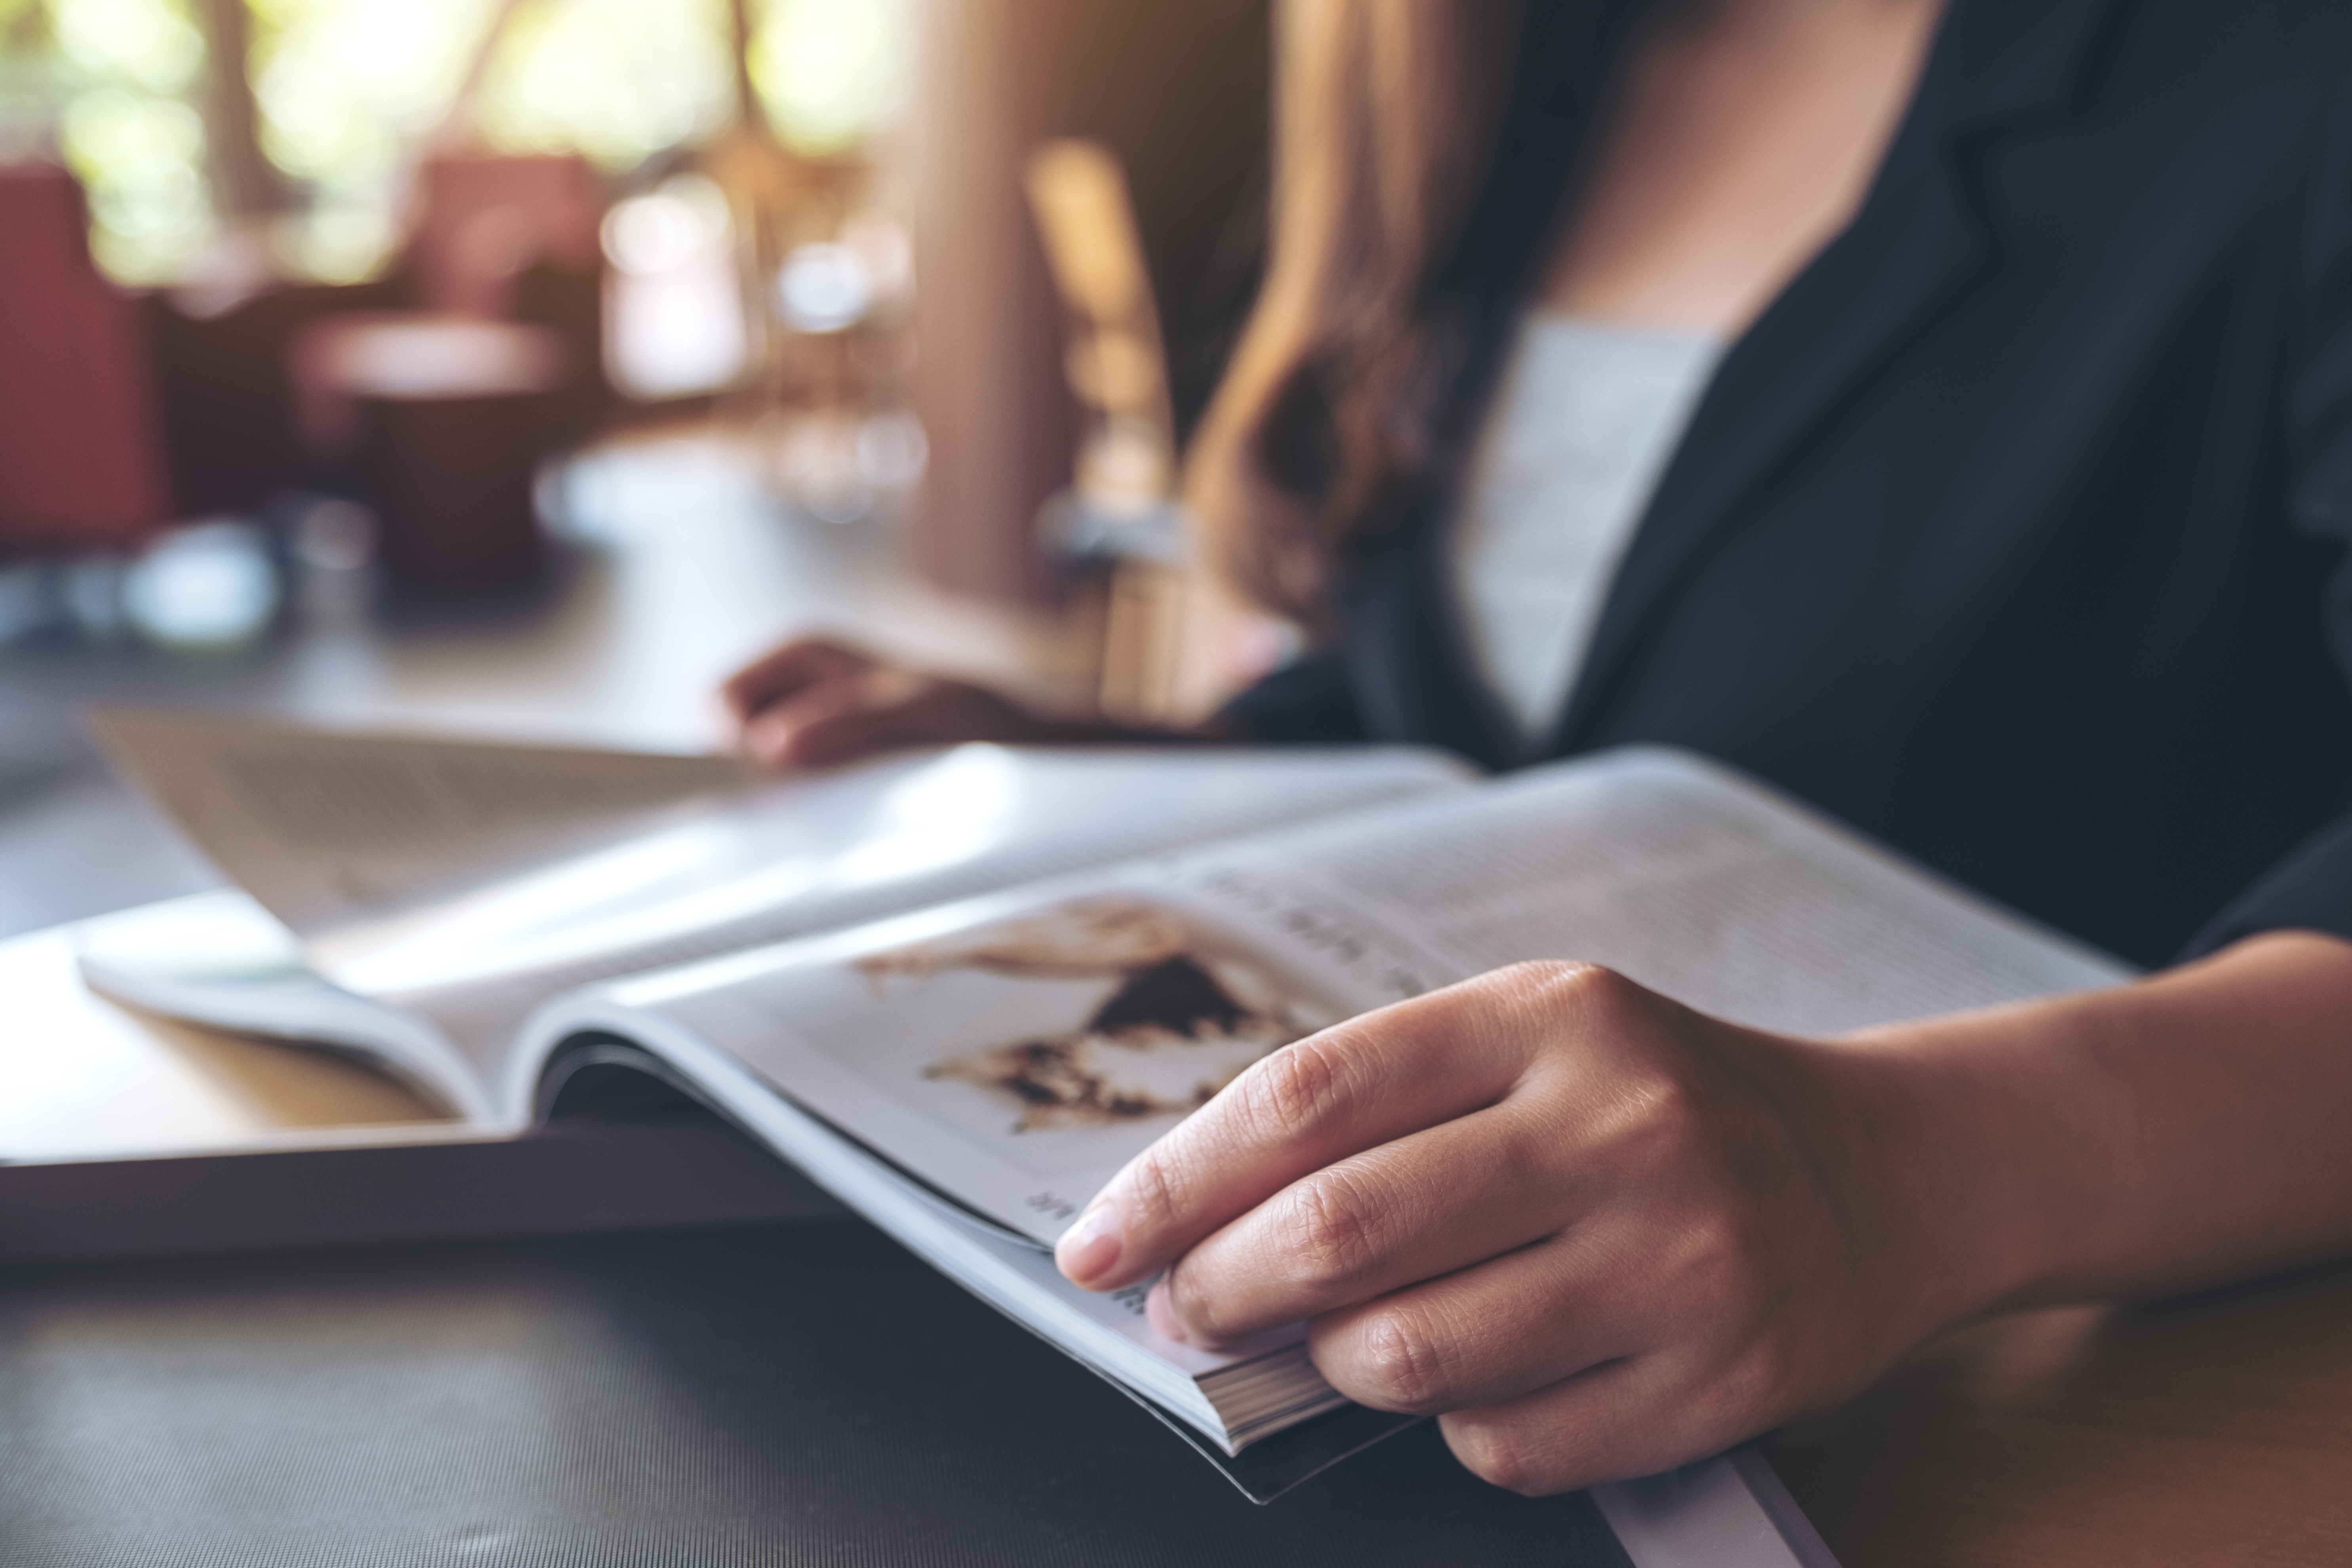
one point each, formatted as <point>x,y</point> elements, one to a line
<point>2004,361</point>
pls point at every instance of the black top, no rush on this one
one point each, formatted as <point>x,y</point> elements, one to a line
<point>2013,532</point>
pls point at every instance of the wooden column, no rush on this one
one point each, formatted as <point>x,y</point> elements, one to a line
<point>246,184</point>
<point>1179,92</point>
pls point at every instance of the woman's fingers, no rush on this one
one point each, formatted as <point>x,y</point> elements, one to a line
<point>1560,1365</point>
<point>1613,1420</point>
<point>811,734</point>
<point>811,703</point>
<point>1411,1209</point>
<point>1635,1417</point>
<point>1518,1322</point>
<point>1353,1087</point>
<point>862,709</point>
<point>790,669</point>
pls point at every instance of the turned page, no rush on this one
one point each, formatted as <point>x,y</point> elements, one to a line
<point>331,830</point>
<point>1690,878</point>
<point>800,857</point>
<point>469,881</point>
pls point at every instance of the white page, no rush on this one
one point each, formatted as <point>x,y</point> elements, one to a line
<point>1690,878</point>
<point>969,1043</point>
<point>464,882</point>
<point>812,855</point>
<point>980,1046</point>
<point>330,831</point>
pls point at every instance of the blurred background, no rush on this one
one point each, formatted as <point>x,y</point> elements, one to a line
<point>519,367</point>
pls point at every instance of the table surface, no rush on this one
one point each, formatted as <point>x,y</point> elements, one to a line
<point>2214,1428</point>
<point>2199,1430</point>
<point>2210,1429</point>
<point>769,1395</point>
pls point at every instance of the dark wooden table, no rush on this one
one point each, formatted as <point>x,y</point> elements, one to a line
<point>2212,1429</point>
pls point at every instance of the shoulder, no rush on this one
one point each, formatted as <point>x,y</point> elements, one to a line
<point>2268,53</point>
<point>2280,59</point>
<point>2227,108</point>
<point>2233,91</point>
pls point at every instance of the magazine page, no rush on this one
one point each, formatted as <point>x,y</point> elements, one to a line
<point>499,910</point>
<point>812,855</point>
<point>1015,1051</point>
<point>1691,878</point>
<point>1235,1394</point>
<point>222,961</point>
<point>331,830</point>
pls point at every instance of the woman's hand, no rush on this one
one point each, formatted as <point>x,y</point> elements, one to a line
<point>811,702</point>
<point>1600,1232</point>
<point>1605,1235</point>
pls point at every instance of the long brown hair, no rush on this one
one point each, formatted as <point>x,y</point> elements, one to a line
<point>1425,152</point>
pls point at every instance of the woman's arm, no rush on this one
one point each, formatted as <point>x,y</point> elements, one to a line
<point>2183,1130</point>
<point>1605,1233</point>
<point>813,702</point>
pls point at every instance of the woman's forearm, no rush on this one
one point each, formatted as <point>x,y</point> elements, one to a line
<point>2187,1129</point>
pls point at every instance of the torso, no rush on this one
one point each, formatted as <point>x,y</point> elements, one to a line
<point>1749,134</point>
<point>1578,434</point>
<point>2017,531</point>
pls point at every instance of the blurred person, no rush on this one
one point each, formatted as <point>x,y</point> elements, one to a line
<point>1941,410</point>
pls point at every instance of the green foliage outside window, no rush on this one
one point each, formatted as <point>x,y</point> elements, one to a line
<point>113,87</point>
<point>346,90</point>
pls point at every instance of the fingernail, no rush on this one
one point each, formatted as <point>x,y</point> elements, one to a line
<point>765,739</point>
<point>1160,1315</point>
<point>1090,1248</point>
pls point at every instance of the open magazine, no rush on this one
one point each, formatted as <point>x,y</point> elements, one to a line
<point>961,989</point>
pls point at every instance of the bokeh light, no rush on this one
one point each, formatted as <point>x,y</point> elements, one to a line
<point>345,88</point>
<point>130,73</point>
<point>673,322</point>
<point>208,585</point>
<point>832,73</point>
<point>348,91</point>
<point>618,80</point>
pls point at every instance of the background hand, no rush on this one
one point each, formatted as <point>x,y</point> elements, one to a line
<point>812,702</point>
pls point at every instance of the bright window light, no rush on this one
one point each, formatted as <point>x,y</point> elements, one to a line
<point>832,73</point>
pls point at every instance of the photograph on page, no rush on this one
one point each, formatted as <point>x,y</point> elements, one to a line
<point>1016,1060</point>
